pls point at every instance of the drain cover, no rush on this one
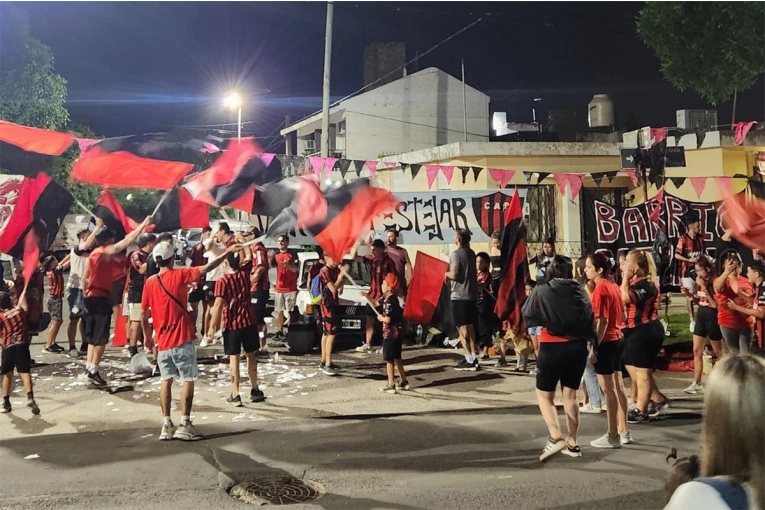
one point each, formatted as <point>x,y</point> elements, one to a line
<point>279,490</point>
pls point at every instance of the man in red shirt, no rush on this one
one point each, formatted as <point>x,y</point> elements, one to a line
<point>690,246</point>
<point>166,320</point>
<point>235,313</point>
<point>285,290</point>
<point>379,266</point>
<point>15,343</point>
<point>260,285</point>
<point>55,274</point>
<point>103,268</point>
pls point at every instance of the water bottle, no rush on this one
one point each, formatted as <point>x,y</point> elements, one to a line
<point>419,333</point>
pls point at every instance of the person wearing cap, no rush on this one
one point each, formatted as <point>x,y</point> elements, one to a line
<point>138,263</point>
<point>98,279</point>
<point>690,246</point>
<point>167,322</point>
<point>390,314</point>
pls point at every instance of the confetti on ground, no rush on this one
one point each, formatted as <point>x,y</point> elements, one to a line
<point>33,456</point>
<point>109,404</point>
<point>147,435</point>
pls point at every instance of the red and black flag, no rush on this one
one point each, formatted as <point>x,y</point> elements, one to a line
<point>179,210</point>
<point>31,212</point>
<point>293,203</point>
<point>108,209</point>
<point>425,288</point>
<point>29,151</point>
<point>153,161</point>
<point>350,210</point>
<point>514,271</point>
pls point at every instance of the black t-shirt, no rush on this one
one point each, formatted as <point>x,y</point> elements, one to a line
<point>391,307</point>
<point>151,267</point>
<point>137,280</point>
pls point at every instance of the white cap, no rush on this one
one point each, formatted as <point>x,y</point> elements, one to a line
<point>163,251</point>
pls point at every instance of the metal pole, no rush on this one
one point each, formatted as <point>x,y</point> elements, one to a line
<point>239,125</point>
<point>464,99</point>
<point>325,95</point>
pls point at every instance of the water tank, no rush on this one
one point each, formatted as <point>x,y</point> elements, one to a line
<point>601,111</point>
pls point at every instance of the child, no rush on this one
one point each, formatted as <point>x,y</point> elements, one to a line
<point>390,315</point>
<point>55,302</point>
<point>15,342</point>
<point>682,471</point>
<point>487,321</point>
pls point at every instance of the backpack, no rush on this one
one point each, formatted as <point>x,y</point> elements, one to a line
<point>317,289</point>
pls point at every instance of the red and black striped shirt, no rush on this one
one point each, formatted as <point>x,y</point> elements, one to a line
<point>260,259</point>
<point>56,282</point>
<point>13,327</point>
<point>643,305</point>
<point>378,270</point>
<point>234,289</point>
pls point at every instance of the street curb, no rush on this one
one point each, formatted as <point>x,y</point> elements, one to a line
<point>225,482</point>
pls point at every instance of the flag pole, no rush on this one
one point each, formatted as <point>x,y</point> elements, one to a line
<point>161,200</point>
<point>344,273</point>
<point>83,207</point>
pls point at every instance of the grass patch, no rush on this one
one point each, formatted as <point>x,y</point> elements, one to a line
<point>678,328</point>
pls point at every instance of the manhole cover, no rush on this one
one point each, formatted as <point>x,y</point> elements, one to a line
<point>280,490</point>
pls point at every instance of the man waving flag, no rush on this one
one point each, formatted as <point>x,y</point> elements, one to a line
<point>514,272</point>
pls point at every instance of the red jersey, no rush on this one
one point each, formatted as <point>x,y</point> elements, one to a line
<point>607,304</point>
<point>690,249</point>
<point>103,271</point>
<point>286,279</point>
<point>546,337</point>
<point>56,282</point>
<point>170,320</point>
<point>234,289</point>
<point>197,255</point>
<point>728,318</point>
<point>13,327</point>
<point>260,259</point>
<point>378,269</point>
<point>484,284</point>
<point>643,306</point>
<point>328,275</point>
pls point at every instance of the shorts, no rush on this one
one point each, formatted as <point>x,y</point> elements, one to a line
<point>535,331</point>
<point>259,300</point>
<point>197,295</point>
<point>180,362</point>
<point>688,283</point>
<point>392,349</point>
<point>609,357</point>
<point>464,313</point>
<point>706,324</point>
<point>135,312</point>
<point>330,322</point>
<point>76,301</point>
<point>98,321</point>
<point>643,344</point>
<point>284,301</point>
<point>234,340</point>
<point>561,362</point>
<point>16,356</point>
<point>56,308</point>
<point>118,289</point>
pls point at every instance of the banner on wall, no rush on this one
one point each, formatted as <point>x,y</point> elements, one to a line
<point>433,217</point>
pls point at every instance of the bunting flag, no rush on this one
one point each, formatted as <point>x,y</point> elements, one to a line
<point>448,172</point>
<point>698,183</point>
<point>744,218</point>
<point>542,176</point>
<point>343,166</point>
<point>611,175</point>
<point>318,163</point>
<point>597,178</point>
<point>528,176</point>
<point>562,180</point>
<point>358,166</point>
<point>372,166</point>
<point>502,177</point>
<point>350,210</point>
<point>575,183</point>
<point>404,166</point>
<point>27,150</point>
<point>632,174</point>
<point>464,170</point>
<point>431,171</point>
<point>32,210</point>
<point>677,181</point>
<point>415,170</point>
<point>514,271</point>
<point>425,288</point>
<point>180,211</point>
<point>110,211</point>
<point>476,172</point>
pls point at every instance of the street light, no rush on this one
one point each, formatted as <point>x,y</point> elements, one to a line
<point>233,101</point>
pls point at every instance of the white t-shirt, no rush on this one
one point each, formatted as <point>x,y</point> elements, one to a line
<point>213,253</point>
<point>77,264</point>
<point>699,495</point>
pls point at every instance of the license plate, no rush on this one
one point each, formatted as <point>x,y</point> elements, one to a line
<point>351,324</point>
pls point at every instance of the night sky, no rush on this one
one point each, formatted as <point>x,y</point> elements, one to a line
<point>142,67</point>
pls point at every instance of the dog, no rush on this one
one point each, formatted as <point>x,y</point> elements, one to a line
<point>523,348</point>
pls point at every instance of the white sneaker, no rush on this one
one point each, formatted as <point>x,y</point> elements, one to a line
<point>379,351</point>
<point>167,432</point>
<point>605,441</point>
<point>590,409</point>
<point>363,348</point>
<point>692,326</point>
<point>693,388</point>
<point>626,438</point>
<point>205,342</point>
<point>604,408</point>
<point>187,433</point>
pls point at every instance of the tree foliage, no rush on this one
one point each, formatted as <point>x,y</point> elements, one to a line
<point>712,48</point>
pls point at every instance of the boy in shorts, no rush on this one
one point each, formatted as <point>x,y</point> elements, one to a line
<point>15,342</point>
<point>332,285</point>
<point>390,314</point>
<point>55,274</point>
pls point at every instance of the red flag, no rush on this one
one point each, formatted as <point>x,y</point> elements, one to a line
<point>108,209</point>
<point>514,272</point>
<point>29,151</point>
<point>744,218</point>
<point>125,170</point>
<point>425,288</point>
<point>180,210</point>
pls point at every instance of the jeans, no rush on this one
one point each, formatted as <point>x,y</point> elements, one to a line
<point>737,340</point>
<point>593,388</point>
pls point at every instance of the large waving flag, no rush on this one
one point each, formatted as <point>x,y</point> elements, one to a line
<point>514,272</point>
<point>292,203</point>
<point>27,150</point>
<point>744,218</point>
<point>425,288</point>
<point>108,209</point>
<point>180,211</point>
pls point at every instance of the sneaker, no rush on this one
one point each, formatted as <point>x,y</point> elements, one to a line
<point>167,432</point>
<point>50,349</point>
<point>74,354</point>
<point>379,351</point>
<point>626,438</point>
<point>321,365</point>
<point>501,363</point>
<point>636,416</point>
<point>205,342</point>
<point>33,406</point>
<point>187,433</point>
<point>403,386</point>
<point>97,379</point>
<point>692,325</point>
<point>328,370</point>
<point>464,366</point>
<point>534,371</point>
<point>655,410</point>
<point>572,451</point>
<point>389,388</point>
<point>590,409</point>
<point>693,388</point>
<point>604,408</point>
<point>263,353</point>
<point>235,401</point>
<point>364,348</point>
<point>6,407</point>
<point>485,357</point>
<point>551,448</point>
<point>257,396</point>
<point>606,441</point>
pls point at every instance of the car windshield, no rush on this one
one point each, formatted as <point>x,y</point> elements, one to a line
<point>357,270</point>
<point>194,236</point>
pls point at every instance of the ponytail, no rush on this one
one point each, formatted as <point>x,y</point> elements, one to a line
<point>646,265</point>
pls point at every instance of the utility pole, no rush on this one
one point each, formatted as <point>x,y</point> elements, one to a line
<point>464,100</point>
<point>325,96</point>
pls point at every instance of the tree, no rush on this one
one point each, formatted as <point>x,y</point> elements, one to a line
<point>716,49</point>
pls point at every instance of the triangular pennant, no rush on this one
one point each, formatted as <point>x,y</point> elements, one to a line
<point>562,180</point>
<point>542,177</point>
<point>501,177</point>
<point>358,165</point>
<point>372,166</point>
<point>464,170</point>
<point>598,178</point>
<point>448,172</point>
<point>432,172</point>
<point>632,174</point>
<point>403,166</point>
<point>267,158</point>
<point>329,165</point>
<point>476,172</point>
<point>611,175</point>
<point>390,164</point>
<point>415,170</point>
<point>698,183</point>
<point>316,163</point>
<point>575,182</point>
<point>344,165</point>
<point>528,176</point>
<point>677,181</point>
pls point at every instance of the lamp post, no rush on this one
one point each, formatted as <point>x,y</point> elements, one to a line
<point>233,101</point>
